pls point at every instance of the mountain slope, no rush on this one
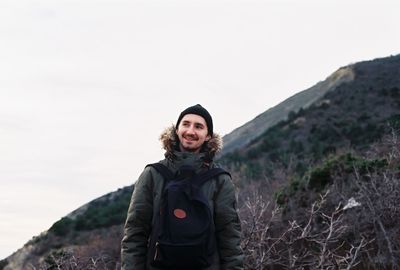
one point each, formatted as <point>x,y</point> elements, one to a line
<point>94,226</point>
<point>254,128</point>
<point>356,114</point>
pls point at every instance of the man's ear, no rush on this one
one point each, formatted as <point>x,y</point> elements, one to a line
<point>208,138</point>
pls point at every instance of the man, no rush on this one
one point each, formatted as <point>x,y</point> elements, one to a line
<point>191,142</point>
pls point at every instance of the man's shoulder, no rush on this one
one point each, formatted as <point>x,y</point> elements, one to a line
<point>150,176</point>
<point>154,168</point>
<point>150,166</point>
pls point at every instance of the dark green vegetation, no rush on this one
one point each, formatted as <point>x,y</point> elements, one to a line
<point>320,177</point>
<point>92,231</point>
<point>104,212</point>
<point>354,115</point>
<point>328,144</point>
<point>3,263</point>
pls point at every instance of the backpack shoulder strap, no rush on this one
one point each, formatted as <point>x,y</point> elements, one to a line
<point>214,172</point>
<point>163,170</point>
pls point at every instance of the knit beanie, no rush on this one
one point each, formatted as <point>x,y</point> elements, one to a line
<point>198,110</point>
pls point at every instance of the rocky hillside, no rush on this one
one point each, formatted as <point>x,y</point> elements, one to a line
<point>351,109</point>
<point>254,128</point>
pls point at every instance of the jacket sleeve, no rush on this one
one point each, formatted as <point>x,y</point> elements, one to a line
<point>138,224</point>
<point>227,225</point>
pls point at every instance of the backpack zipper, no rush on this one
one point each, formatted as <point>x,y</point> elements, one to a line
<point>156,253</point>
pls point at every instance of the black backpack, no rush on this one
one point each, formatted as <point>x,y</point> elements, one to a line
<point>183,233</point>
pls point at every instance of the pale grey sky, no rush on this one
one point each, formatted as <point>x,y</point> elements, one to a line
<point>87,86</point>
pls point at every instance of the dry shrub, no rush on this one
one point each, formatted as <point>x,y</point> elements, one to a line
<point>352,226</point>
<point>316,244</point>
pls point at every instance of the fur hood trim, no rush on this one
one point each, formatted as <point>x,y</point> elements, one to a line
<point>170,141</point>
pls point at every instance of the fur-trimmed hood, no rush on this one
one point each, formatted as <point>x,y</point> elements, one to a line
<point>170,141</point>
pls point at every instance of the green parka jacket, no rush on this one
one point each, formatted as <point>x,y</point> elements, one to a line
<point>145,202</point>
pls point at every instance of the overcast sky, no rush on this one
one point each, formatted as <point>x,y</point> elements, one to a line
<point>86,86</point>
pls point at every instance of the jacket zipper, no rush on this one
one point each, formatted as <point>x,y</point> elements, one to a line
<point>156,253</point>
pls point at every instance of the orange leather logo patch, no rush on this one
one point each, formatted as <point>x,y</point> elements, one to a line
<point>179,213</point>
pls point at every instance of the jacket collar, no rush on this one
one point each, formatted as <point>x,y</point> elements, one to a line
<point>193,160</point>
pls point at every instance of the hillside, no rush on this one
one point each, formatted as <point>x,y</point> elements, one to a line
<point>254,128</point>
<point>356,114</point>
<point>278,152</point>
<point>92,230</point>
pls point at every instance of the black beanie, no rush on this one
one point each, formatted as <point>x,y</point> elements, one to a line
<point>198,110</point>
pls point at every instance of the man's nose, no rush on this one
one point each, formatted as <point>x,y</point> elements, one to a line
<point>190,130</point>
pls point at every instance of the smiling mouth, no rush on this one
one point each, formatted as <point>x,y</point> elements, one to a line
<point>192,139</point>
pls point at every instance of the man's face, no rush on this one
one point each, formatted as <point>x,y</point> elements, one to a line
<point>192,133</point>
